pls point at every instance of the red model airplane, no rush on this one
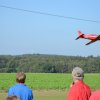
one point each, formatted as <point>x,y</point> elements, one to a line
<point>91,37</point>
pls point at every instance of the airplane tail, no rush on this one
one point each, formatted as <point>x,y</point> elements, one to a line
<point>80,35</point>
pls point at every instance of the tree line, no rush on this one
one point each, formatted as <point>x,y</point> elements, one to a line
<point>41,63</point>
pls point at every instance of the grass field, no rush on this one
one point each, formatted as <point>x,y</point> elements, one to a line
<point>41,81</point>
<point>43,95</point>
<point>46,86</point>
<point>38,81</point>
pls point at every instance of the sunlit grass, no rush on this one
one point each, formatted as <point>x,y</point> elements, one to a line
<point>46,81</point>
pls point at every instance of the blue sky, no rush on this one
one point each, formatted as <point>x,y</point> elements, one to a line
<point>28,33</point>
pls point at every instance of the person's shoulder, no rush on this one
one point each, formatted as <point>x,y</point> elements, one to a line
<point>74,88</point>
<point>13,86</point>
<point>87,86</point>
<point>27,88</point>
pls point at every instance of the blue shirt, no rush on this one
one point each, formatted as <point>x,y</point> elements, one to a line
<point>22,91</point>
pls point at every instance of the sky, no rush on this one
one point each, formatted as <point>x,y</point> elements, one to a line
<point>23,32</point>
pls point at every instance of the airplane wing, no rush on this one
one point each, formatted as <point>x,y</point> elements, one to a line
<point>93,40</point>
<point>79,36</point>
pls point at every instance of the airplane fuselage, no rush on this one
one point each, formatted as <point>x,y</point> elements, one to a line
<point>90,37</point>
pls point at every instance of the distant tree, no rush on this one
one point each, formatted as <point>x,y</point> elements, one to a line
<point>48,63</point>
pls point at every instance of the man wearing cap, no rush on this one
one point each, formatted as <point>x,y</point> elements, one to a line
<point>78,89</point>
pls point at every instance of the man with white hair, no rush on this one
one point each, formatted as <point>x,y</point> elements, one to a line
<point>78,89</point>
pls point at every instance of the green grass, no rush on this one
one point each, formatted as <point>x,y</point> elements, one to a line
<point>50,95</point>
<point>37,81</point>
<point>45,81</point>
<point>93,80</point>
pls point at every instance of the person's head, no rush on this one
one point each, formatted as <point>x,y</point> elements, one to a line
<point>12,98</point>
<point>20,77</point>
<point>77,74</point>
